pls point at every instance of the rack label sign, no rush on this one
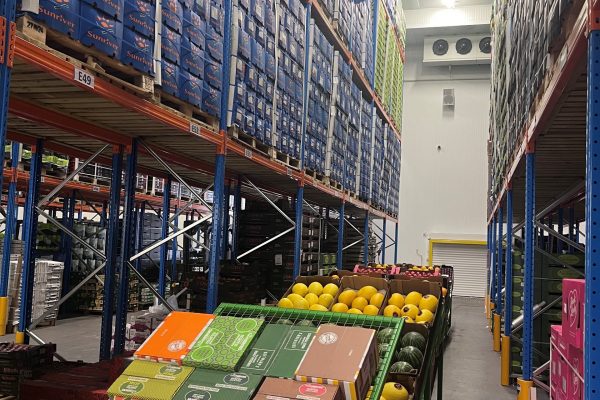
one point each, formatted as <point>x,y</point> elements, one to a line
<point>84,77</point>
<point>195,128</point>
<point>248,153</point>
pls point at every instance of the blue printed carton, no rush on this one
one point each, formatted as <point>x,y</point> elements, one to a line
<point>201,7</point>
<point>261,35</point>
<point>249,124</point>
<point>270,66</point>
<point>258,56</point>
<point>244,45</point>
<point>138,51</point>
<point>60,15</point>
<point>170,45</point>
<point>217,18</point>
<point>214,44</point>
<point>99,30</point>
<point>113,8</point>
<point>212,74</point>
<point>250,100</point>
<point>211,101</point>
<point>258,6</point>
<point>190,88</point>
<point>194,28</point>
<point>172,14</point>
<point>139,16</point>
<point>192,60</point>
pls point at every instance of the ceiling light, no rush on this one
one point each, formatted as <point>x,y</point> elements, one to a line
<point>449,3</point>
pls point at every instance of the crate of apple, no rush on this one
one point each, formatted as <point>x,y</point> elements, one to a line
<point>422,272</point>
<point>375,269</point>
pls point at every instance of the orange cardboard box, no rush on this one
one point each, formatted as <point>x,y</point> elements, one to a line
<point>171,340</point>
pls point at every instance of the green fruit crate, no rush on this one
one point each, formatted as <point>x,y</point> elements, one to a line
<point>317,317</point>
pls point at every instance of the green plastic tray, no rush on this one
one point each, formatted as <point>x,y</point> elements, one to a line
<point>317,317</point>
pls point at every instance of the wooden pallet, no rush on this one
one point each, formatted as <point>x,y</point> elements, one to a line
<point>334,184</point>
<point>86,58</point>
<point>351,194</point>
<point>93,180</point>
<point>251,141</point>
<point>169,101</point>
<point>284,158</point>
<point>318,176</point>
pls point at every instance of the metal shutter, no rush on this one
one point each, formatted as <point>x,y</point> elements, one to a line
<point>469,262</point>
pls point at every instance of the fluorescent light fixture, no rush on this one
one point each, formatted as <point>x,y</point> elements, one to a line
<point>449,3</point>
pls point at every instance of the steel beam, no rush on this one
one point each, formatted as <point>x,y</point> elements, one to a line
<point>529,265</point>
<point>237,212</point>
<point>126,248</point>
<point>591,348</point>
<point>366,237</point>
<point>140,234</point>
<point>164,232</point>
<point>298,231</point>
<point>217,218</point>
<point>112,243</point>
<point>561,224</point>
<point>340,241</point>
<point>30,217</point>
<point>8,34</point>
<point>396,244</point>
<point>509,263</point>
<point>499,260</point>
<point>560,237</point>
<point>383,240</point>
<point>174,248</point>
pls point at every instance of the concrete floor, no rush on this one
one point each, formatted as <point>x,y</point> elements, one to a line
<point>471,368</point>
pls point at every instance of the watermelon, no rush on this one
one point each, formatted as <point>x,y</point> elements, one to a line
<point>401,367</point>
<point>305,322</point>
<point>383,348</point>
<point>414,339</point>
<point>411,355</point>
<point>284,322</point>
<point>385,335</point>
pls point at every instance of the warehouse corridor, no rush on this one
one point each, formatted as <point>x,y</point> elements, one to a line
<point>471,368</point>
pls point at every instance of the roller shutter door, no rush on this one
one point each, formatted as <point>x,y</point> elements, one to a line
<point>469,262</point>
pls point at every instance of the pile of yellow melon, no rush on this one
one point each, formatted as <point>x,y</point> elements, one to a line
<point>314,297</point>
<point>366,300</point>
<point>415,307</point>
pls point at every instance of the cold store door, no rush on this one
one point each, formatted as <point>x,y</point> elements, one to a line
<point>469,262</point>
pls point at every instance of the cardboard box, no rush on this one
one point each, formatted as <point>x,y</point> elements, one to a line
<point>357,282</point>
<point>171,340</point>
<point>573,311</point>
<point>307,280</point>
<point>224,343</point>
<point>343,356</point>
<point>278,350</point>
<point>556,365</point>
<point>214,385</point>
<point>285,389</point>
<point>149,381</point>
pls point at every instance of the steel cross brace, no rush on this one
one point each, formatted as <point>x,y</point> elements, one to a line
<point>260,192</point>
<point>560,237</point>
<point>551,257</point>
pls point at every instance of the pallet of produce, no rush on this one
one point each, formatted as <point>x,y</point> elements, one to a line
<point>315,293</point>
<point>415,300</point>
<point>361,295</point>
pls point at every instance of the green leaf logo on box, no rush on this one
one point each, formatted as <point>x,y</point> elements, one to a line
<point>197,395</point>
<point>131,387</point>
<point>202,353</point>
<point>236,378</point>
<point>171,370</point>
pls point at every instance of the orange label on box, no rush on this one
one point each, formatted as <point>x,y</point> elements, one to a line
<point>171,340</point>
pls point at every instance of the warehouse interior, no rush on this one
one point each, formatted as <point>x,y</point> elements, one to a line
<point>299,199</point>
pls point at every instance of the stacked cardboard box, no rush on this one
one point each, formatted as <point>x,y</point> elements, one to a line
<point>19,362</point>
<point>366,150</point>
<point>319,101</point>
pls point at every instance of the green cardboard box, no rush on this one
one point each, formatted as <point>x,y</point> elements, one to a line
<point>278,350</point>
<point>224,343</point>
<point>205,384</point>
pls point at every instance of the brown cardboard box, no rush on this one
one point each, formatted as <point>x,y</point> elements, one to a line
<point>405,286</point>
<point>357,282</point>
<point>307,280</point>
<point>342,356</point>
<point>285,389</point>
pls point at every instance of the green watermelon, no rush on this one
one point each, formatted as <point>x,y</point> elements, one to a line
<point>383,348</point>
<point>411,355</point>
<point>414,339</point>
<point>284,322</point>
<point>385,335</point>
<point>401,367</point>
<point>305,322</point>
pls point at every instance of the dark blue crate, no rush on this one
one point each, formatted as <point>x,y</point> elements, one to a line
<point>261,35</point>
<point>250,100</point>
<point>214,44</point>
<point>61,16</point>
<point>213,74</point>
<point>216,18</point>
<point>249,124</point>
<point>138,51</point>
<point>139,17</point>
<point>192,60</point>
<point>112,8</point>
<point>170,78</point>
<point>172,14</point>
<point>211,101</point>
<point>201,7</point>
<point>258,7</point>
<point>99,30</point>
<point>194,28</point>
<point>170,45</point>
<point>270,21</point>
<point>190,88</point>
<point>244,45</point>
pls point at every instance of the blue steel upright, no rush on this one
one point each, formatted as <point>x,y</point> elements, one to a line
<point>499,258</point>
<point>139,234</point>
<point>383,240</point>
<point>68,242</point>
<point>112,251</point>
<point>226,193</point>
<point>508,278</point>
<point>529,265</point>
<point>366,239</point>
<point>214,258</point>
<point>164,231</point>
<point>396,244</point>
<point>592,227</point>
<point>340,243</point>
<point>174,248</point>
<point>127,244</point>
<point>30,222</point>
<point>6,63</point>
<point>492,267</point>
<point>9,233</point>
<point>298,231</point>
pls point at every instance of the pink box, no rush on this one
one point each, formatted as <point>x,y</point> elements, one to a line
<point>559,386</point>
<point>558,339</point>
<point>573,311</point>
<point>575,357</point>
<point>574,386</point>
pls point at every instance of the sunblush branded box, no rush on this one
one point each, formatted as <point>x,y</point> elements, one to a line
<point>190,88</point>
<point>192,60</point>
<point>170,45</point>
<point>172,14</point>
<point>170,78</point>
<point>194,28</point>
<point>211,101</point>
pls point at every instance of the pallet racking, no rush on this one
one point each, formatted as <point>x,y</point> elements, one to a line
<point>55,102</point>
<point>549,172</point>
